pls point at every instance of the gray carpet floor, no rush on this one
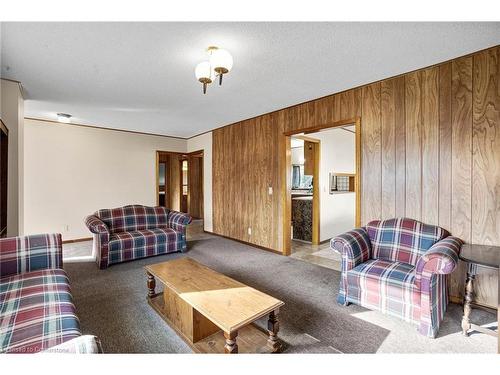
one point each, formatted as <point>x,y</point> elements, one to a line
<point>112,304</point>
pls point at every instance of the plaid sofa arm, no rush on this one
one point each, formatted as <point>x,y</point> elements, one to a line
<point>30,253</point>
<point>86,344</point>
<point>441,258</point>
<point>96,225</point>
<point>354,246</point>
<point>101,238</point>
<point>178,221</point>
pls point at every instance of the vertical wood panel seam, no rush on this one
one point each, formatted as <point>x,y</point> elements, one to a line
<point>438,144</point>
<point>472,148</point>
<point>421,138</point>
<point>381,148</point>
<point>452,156</point>
<point>404,103</point>
<point>453,161</point>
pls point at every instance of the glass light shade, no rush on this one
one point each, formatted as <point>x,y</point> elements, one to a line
<point>220,58</point>
<point>203,72</point>
<point>64,117</point>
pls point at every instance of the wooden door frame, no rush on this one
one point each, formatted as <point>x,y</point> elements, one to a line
<point>183,154</point>
<point>181,175</point>
<point>286,188</point>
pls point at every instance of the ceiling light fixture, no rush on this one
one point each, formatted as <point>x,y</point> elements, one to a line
<point>64,117</point>
<point>220,62</point>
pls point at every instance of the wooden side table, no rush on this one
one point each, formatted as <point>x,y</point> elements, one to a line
<point>474,255</point>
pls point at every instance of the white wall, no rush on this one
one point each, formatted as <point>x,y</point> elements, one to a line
<point>297,155</point>
<point>337,211</point>
<point>71,171</point>
<point>12,112</point>
<point>204,142</point>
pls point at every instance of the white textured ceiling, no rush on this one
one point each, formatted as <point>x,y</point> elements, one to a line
<point>139,76</point>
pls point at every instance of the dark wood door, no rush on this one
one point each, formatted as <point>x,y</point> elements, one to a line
<point>195,186</point>
<point>4,143</point>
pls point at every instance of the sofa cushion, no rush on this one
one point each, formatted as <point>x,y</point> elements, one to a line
<point>36,311</point>
<point>143,243</point>
<point>402,240</point>
<point>133,218</point>
<point>385,286</point>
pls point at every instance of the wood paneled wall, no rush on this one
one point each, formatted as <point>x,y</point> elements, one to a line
<point>430,151</point>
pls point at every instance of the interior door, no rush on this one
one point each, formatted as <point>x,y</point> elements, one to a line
<point>3,182</point>
<point>195,185</point>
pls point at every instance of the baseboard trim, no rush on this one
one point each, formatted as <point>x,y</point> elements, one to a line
<point>78,240</point>
<point>245,242</point>
<point>482,306</point>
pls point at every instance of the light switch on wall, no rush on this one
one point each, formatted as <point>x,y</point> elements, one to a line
<point>270,190</point>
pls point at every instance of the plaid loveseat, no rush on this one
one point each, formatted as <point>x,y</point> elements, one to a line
<point>136,231</point>
<point>36,308</point>
<point>398,266</point>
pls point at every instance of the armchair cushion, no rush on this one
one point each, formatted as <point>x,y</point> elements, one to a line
<point>385,286</point>
<point>30,253</point>
<point>354,246</point>
<point>96,225</point>
<point>37,311</point>
<point>402,239</point>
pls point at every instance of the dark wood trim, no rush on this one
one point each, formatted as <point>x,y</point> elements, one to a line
<point>181,153</point>
<point>306,138</point>
<point>9,80</point>
<point>317,128</point>
<point>183,156</point>
<point>316,203</point>
<point>84,239</point>
<point>3,127</point>
<point>245,242</point>
<point>21,88</point>
<point>347,130</point>
<point>104,128</point>
<point>474,304</point>
<point>4,176</point>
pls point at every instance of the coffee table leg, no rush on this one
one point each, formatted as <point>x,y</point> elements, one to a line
<point>231,346</point>
<point>469,289</point>
<point>273,327</point>
<point>151,285</point>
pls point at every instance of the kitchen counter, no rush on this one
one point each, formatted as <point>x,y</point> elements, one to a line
<point>302,218</point>
<point>304,198</point>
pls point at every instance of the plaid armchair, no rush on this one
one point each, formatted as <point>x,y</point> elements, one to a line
<point>398,266</point>
<point>136,231</point>
<point>36,307</point>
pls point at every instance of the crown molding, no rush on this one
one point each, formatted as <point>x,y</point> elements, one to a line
<point>104,128</point>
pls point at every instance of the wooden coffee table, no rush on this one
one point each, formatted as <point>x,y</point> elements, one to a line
<point>210,310</point>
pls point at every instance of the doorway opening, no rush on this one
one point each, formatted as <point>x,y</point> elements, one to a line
<point>322,194</point>
<point>179,182</point>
